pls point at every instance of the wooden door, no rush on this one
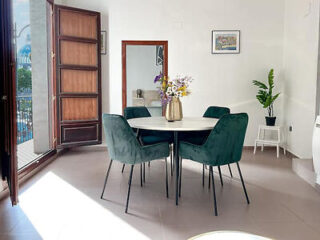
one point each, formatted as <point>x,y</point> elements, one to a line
<point>78,77</point>
<point>8,128</point>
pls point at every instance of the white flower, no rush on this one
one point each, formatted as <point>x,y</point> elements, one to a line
<point>169,91</point>
<point>174,88</point>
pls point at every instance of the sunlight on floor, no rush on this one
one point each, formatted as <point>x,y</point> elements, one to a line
<point>72,214</point>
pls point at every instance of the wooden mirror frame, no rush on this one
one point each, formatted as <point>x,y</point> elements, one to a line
<point>124,63</point>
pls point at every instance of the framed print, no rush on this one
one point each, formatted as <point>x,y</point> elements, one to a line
<point>225,41</point>
<point>103,43</point>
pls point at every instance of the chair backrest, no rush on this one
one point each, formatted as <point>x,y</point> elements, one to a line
<point>225,142</point>
<point>121,141</point>
<point>136,112</point>
<point>216,112</point>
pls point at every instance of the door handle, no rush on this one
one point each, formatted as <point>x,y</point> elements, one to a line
<point>4,98</point>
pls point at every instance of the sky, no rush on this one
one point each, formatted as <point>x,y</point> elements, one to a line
<point>21,16</point>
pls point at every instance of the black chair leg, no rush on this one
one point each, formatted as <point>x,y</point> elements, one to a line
<point>180,175</point>
<point>106,179</point>
<point>202,175</point>
<point>123,168</point>
<point>141,174</point>
<point>214,191</point>
<point>129,188</point>
<point>220,176</point>
<point>171,163</point>
<point>244,187</point>
<point>167,188</point>
<point>209,181</point>
<point>148,164</point>
<point>230,170</point>
<point>144,172</point>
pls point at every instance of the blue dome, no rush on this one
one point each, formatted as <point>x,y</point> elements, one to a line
<point>25,51</point>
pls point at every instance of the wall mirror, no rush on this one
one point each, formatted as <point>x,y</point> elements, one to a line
<point>141,62</point>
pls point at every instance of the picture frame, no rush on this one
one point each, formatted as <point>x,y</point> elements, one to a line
<point>225,42</point>
<point>103,42</point>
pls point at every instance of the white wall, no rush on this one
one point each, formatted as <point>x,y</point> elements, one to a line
<point>300,60</point>
<point>219,79</point>
<point>40,105</point>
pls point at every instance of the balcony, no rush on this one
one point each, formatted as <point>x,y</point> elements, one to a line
<point>26,153</point>
<point>25,142</point>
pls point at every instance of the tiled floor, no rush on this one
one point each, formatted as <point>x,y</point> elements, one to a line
<point>63,202</point>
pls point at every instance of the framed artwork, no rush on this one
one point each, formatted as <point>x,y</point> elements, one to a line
<point>103,43</point>
<point>159,55</point>
<point>225,41</point>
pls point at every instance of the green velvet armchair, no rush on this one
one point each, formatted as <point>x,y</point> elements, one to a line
<point>200,137</point>
<point>124,147</point>
<point>223,146</point>
<point>147,137</point>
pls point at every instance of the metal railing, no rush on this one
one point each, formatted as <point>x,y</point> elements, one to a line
<point>24,119</point>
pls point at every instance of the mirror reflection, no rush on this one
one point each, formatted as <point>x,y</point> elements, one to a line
<point>143,63</point>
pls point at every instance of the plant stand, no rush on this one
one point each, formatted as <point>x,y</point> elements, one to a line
<point>273,142</point>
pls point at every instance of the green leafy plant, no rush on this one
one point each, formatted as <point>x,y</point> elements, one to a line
<point>24,79</point>
<point>265,95</point>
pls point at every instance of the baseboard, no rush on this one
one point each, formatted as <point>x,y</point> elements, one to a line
<point>288,153</point>
<point>304,169</point>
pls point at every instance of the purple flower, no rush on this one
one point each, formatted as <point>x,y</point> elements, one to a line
<point>157,78</point>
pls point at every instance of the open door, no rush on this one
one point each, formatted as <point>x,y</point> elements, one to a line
<point>8,161</point>
<point>78,77</point>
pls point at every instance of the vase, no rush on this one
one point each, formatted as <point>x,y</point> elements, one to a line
<point>174,110</point>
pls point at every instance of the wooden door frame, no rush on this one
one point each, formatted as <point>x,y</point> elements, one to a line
<point>9,104</point>
<point>125,43</point>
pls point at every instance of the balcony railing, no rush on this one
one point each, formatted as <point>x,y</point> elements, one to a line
<point>24,119</point>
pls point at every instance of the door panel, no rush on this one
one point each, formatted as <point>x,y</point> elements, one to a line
<point>83,133</point>
<point>76,24</point>
<point>74,109</point>
<point>78,53</point>
<point>78,77</point>
<point>78,81</point>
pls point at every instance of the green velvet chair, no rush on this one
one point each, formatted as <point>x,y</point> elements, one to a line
<point>223,146</point>
<point>200,137</point>
<point>147,137</point>
<point>123,146</point>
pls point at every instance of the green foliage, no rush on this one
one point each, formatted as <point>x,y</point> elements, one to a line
<point>24,79</point>
<point>265,94</point>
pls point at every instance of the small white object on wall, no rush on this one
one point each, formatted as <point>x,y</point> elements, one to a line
<point>273,142</point>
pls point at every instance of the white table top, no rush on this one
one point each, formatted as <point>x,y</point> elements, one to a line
<point>161,124</point>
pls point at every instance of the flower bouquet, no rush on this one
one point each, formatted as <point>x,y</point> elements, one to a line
<point>170,91</point>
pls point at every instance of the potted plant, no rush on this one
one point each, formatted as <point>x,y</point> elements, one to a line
<point>266,98</point>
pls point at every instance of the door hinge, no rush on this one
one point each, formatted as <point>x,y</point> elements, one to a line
<point>53,98</point>
<point>53,54</point>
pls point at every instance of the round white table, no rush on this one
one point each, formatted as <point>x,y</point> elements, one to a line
<point>186,124</point>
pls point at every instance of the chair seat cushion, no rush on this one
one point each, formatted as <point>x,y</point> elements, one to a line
<point>193,152</point>
<point>152,137</point>
<point>194,137</point>
<point>154,152</point>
